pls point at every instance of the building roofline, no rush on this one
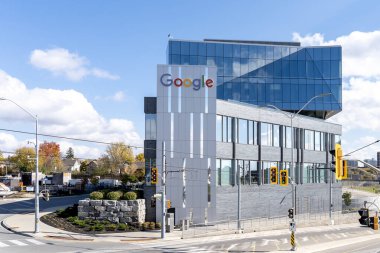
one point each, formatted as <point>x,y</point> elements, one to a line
<point>257,42</point>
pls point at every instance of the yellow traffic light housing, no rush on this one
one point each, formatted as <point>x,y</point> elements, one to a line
<point>345,170</point>
<point>273,175</point>
<point>338,162</point>
<point>154,176</point>
<point>284,177</point>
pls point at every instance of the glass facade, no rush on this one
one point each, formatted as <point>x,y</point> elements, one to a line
<point>281,75</point>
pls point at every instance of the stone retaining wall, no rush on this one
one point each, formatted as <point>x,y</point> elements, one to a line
<point>123,211</point>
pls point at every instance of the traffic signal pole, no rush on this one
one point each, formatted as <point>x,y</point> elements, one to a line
<point>163,185</point>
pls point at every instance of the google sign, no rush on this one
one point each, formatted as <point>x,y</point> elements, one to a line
<point>167,80</point>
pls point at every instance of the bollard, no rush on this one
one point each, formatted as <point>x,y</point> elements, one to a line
<point>293,241</point>
<point>376,223</point>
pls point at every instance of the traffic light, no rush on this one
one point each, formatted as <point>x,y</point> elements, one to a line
<point>291,213</point>
<point>283,177</point>
<point>168,204</point>
<point>345,169</point>
<point>154,176</point>
<point>338,153</point>
<point>273,175</point>
<point>364,217</point>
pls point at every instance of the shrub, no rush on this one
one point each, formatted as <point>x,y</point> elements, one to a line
<point>158,225</point>
<point>99,227</point>
<point>130,196</point>
<point>146,225</point>
<point>80,223</point>
<point>347,198</point>
<point>152,225</point>
<point>122,226</point>
<point>68,212</point>
<point>113,196</point>
<point>72,219</point>
<point>128,179</point>
<point>96,195</point>
<point>111,227</point>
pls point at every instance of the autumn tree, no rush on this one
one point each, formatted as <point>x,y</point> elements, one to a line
<point>50,157</point>
<point>24,159</point>
<point>119,155</point>
<point>83,166</point>
<point>140,157</point>
<point>70,153</point>
<point>104,166</point>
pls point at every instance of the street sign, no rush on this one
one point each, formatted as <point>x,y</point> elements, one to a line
<point>292,226</point>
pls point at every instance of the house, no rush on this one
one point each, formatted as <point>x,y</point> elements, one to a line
<point>91,167</point>
<point>71,165</point>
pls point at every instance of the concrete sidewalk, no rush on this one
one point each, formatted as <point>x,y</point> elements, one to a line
<point>24,224</point>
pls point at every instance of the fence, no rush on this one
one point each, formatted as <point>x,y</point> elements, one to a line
<point>265,223</point>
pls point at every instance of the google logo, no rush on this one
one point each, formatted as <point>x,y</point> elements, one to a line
<point>167,80</point>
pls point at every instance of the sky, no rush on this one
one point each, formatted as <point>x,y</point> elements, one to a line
<point>84,67</point>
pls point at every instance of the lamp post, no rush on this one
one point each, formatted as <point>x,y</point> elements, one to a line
<point>292,116</point>
<point>36,186</point>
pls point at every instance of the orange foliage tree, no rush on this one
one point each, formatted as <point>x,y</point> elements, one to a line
<point>50,157</point>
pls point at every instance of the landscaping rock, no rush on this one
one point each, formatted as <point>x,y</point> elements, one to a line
<point>84,202</point>
<point>96,202</point>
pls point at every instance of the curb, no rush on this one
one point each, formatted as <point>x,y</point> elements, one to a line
<point>7,227</point>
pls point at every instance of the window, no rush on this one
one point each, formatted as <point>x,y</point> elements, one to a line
<point>276,135</point>
<point>243,131</point>
<point>323,143</point>
<point>320,173</point>
<point>242,169</point>
<point>254,172</point>
<point>287,137</point>
<point>219,128</point>
<point>229,129</point>
<point>266,134</point>
<point>309,140</point>
<point>308,170</point>
<point>150,127</point>
<point>317,142</point>
<point>226,177</point>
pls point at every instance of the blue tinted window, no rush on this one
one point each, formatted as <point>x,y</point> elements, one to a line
<point>269,52</point>
<point>326,53</point>
<point>244,51</point>
<point>227,50</point>
<point>317,54</point>
<point>193,48</point>
<point>175,47</point>
<point>202,49</point>
<point>336,53</point>
<point>211,49</point>
<point>185,48</point>
<point>253,52</point>
<point>193,60</point>
<point>301,54</point>
<point>261,52</point>
<point>219,50</point>
<point>175,59</point>
<point>236,50</point>
<point>202,60</point>
<point>335,69</point>
<point>326,69</point>
<point>277,52</point>
<point>228,66</point>
<point>185,59</point>
<point>285,68</point>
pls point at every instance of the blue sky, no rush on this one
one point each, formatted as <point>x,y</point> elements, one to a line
<point>127,39</point>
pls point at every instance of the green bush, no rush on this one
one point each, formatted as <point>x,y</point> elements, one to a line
<point>146,225</point>
<point>99,227</point>
<point>122,226</point>
<point>152,225</point>
<point>113,196</point>
<point>96,195</point>
<point>347,198</point>
<point>111,227</point>
<point>72,219</point>
<point>158,225</point>
<point>130,196</point>
<point>80,223</point>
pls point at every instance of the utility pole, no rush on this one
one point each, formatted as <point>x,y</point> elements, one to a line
<point>163,185</point>
<point>239,200</point>
<point>331,203</point>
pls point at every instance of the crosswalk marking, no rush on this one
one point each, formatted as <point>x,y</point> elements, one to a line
<point>305,239</point>
<point>35,242</point>
<point>2,245</point>
<point>18,243</point>
<point>284,240</point>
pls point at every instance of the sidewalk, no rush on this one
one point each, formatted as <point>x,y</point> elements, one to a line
<point>24,224</point>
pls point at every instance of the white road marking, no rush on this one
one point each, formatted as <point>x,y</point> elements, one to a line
<point>231,247</point>
<point>328,237</point>
<point>18,243</point>
<point>284,240</point>
<point>305,239</point>
<point>2,245</point>
<point>35,242</point>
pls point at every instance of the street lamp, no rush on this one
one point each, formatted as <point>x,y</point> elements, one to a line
<point>36,186</point>
<point>292,116</point>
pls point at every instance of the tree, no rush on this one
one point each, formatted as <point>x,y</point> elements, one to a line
<point>104,166</point>
<point>50,157</point>
<point>1,156</point>
<point>24,159</point>
<point>347,198</point>
<point>140,157</point>
<point>119,154</point>
<point>83,166</point>
<point>70,153</point>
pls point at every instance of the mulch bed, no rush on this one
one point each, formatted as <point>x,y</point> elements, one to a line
<point>53,220</point>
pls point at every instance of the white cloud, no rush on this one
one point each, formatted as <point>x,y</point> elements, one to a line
<point>62,112</point>
<point>361,51</point>
<point>119,96</point>
<point>60,61</point>
<point>361,88</point>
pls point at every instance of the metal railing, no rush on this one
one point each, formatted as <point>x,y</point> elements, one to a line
<point>267,223</point>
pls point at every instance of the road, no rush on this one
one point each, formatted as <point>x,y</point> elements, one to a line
<point>348,239</point>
